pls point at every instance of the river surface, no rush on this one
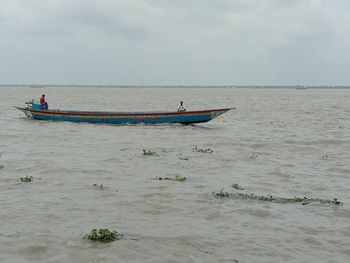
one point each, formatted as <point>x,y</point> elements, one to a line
<point>282,142</point>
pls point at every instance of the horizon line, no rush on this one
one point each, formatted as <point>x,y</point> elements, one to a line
<point>172,86</point>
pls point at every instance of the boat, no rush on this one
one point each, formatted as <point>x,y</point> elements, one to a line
<point>300,87</point>
<point>35,110</point>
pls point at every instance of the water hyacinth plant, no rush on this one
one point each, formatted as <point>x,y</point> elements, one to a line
<point>180,178</point>
<point>274,199</point>
<point>325,157</point>
<point>103,235</point>
<point>221,194</point>
<point>100,187</point>
<point>177,177</point>
<point>237,187</point>
<point>199,150</point>
<point>184,158</point>
<point>26,179</point>
<point>148,152</point>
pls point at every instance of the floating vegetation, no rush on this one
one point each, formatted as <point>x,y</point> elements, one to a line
<point>180,178</point>
<point>149,153</point>
<point>1,166</point>
<point>164,150</point>
<point>184,158</point>
<point>280,200</point>
<point>199,150</point>
<point>177,177</point>
<point>325,157</point>
<point>221,194</point>
<point>103,235</point>
<point>237,187</point>
<point>253,156</point>
<point>26,179</point>
<point>100,187</point>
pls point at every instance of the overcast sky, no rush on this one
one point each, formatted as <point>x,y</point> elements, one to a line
<point>175,42</point>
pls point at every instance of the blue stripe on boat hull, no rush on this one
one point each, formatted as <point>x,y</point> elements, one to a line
<point>177,119</point>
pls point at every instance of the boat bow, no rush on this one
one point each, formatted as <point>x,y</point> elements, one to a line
<point>217,113</point>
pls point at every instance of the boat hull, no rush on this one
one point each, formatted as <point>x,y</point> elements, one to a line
<point>187,117</point>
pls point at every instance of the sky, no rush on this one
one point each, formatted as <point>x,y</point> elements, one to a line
<point>175,42</point>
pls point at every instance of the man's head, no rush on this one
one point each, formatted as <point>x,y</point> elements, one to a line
<point>43,95</point>
<point>181,103</point>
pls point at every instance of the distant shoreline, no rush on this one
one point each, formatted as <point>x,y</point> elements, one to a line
<point>297,87</point>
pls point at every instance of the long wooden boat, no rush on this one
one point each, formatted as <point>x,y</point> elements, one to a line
<point>35,111</point>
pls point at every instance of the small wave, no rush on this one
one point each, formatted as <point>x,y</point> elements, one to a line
<point>311,240</point>
<point>323,142</point>
<point>35,249</point>
<point>260,213</point>
<point>344,171</point>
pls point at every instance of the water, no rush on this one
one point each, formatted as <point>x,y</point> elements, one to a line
<point>301,139</point>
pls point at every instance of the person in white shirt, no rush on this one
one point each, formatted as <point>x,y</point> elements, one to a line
<point>181,107</point>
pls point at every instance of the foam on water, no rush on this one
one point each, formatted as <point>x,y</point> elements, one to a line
<point>281,142</point>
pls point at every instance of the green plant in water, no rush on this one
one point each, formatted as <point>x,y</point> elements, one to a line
<point>221,194</point>
<point>199,150</point>
<point>237,187</point>
<point>325,157</point>
<point>177,177</point>
<point>148,152</point>
<point>100,187</point>
<point>103,235</point>
<point>281,200</point>
<point>184,158</point>
<point>336,202</point>
<point>26,179</point>
<point>180,178</point>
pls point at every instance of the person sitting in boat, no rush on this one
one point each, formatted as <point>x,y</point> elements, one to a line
<point>43,102</point>
<point>181,107</point>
